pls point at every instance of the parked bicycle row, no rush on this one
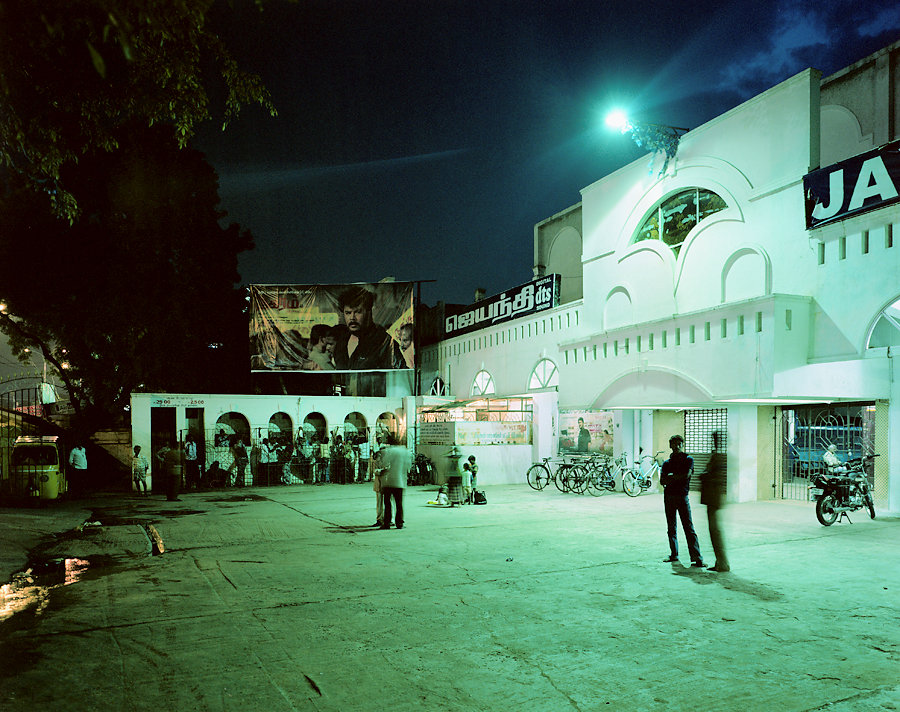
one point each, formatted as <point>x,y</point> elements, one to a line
<point>595,474</point>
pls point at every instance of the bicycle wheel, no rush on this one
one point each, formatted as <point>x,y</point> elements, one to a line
<point>594,484</point>
<point>538,476</point>
<point>630,484</point>
<point>580,479</point>
<point>560,476</point>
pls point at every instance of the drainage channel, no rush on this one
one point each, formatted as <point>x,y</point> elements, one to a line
<point>29,591</point>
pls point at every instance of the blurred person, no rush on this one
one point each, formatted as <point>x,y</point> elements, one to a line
<point>396,462</point>
<point>712,494</point>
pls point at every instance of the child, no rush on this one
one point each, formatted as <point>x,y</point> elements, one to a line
<point>441,500</point>
<point>470,478</point>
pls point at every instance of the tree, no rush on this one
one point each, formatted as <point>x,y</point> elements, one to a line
<point>73,72</point>
<point>137,292</point>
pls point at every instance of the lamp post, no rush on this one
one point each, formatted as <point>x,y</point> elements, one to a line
<point>658,138</point>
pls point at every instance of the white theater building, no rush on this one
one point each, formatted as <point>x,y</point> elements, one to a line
<point>716,296</point>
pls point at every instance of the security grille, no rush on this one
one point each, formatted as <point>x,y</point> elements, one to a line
<point>699,425</point>
<point>807,431</point>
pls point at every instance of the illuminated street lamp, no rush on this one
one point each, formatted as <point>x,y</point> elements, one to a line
<point>658,138</point>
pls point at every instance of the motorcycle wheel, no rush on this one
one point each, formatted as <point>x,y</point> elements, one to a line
<point>825,511</point>
<point>871,505</point>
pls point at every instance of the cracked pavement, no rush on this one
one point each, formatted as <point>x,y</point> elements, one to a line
<point>285,599</point>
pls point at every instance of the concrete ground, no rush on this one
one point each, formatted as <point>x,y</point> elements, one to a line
<point>285,599</point>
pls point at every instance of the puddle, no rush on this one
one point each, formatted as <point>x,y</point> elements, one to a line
<point>240,498</point>
<point>30,590</point>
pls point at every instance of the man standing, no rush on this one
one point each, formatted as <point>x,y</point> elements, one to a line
<point>675,476</point>
<point>584,436</point>
<point>396,463</point>
<point>173,461</point>
<point>140,468</point>
<point>192,464</point>
<point>78,465</point>
<point>360,344</point>
<point>712,494</point>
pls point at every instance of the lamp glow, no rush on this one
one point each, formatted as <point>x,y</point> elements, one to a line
<point>616,119</point>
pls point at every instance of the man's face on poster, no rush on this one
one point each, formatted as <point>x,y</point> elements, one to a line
<point>357,317</point>
<point>329,345</point>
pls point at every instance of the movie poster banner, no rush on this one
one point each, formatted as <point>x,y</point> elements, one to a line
<point>332,327</point>
<point>586,431</point>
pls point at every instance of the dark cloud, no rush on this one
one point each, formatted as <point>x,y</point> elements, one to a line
<point>423,140</point>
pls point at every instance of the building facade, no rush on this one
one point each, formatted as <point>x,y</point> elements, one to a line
<point>711,296</point>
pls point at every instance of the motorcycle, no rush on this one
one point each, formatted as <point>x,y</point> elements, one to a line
<point>840,490</point>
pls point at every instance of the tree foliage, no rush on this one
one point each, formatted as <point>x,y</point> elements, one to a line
<point>73,72</point>
<point>137,291</point>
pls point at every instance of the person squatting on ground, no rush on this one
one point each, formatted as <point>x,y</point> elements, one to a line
<point>675,477</point>
<point>712,494</point>
<point>140,468</point>
<point>396,462</point>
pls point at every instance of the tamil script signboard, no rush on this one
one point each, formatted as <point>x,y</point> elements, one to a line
<point>536,296</point>
<point>854,186</point>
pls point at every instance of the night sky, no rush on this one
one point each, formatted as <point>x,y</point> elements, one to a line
<point>423,140</point>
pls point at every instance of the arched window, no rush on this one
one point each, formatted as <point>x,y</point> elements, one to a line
<point>439,388</point>
<point>678,214</point>
<point>544,375</point>
<point>483,385</point>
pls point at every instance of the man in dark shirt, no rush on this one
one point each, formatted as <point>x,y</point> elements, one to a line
<point>584,437</point>
<point>675,477</point>
<point>360,344</point>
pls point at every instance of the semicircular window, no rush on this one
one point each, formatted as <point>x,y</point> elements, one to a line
<point>673,218</point>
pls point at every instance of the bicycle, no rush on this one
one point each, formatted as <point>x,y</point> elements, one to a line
<point>563,476</point>
<point>638,479</point>
<point>602,476</point>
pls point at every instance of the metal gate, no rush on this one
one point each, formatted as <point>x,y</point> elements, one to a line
<point>19,413</point>
<point>806,433</point>
<point>699,425</point>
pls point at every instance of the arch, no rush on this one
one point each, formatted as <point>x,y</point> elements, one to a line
<point>439,387</point>
<point>652,388</point>
<point>841,135</point>
<point>746,273</point>
<point>713,174</point>
<point>885,327</point>
<point>672,218</point>
<point>545,374</point>
<point>618,309</point>
<point>482,384</point>
<point>387,424</point>
<point>355,425</point>
<point>315,426</point>
<point>280,427</point>
<point>232,424</point>
<point>564,258</point>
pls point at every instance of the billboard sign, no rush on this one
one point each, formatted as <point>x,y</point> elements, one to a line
<point>857,185</point>
<point>332,327</point>
<point>525,300</point>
